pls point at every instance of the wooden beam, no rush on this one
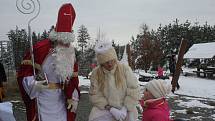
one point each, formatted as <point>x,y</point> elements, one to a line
<point>179,63</point>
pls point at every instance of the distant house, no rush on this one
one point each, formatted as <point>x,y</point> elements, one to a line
<point>203,58</point>
<point>201,51</point>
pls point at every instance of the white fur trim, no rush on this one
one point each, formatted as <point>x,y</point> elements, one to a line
<point>133,93</point>
<point>130,103</point>
<point>103,46</point>
<point>108,55</point>
<point>96,96</point>
<point>98,101</point>
<point>65,37</point>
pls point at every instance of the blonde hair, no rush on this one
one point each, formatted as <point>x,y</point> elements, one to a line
<point>118,74</point>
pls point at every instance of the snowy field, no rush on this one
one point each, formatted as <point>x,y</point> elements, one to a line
<point>198,87</point>
<point>195,94</point>
<point>190,86</point>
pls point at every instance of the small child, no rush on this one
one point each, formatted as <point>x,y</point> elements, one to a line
<point>160,72</point>
<point>155,106</point>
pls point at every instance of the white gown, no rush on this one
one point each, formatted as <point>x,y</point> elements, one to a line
<point>51,101</point>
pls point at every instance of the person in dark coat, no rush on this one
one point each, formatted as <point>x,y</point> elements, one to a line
<point>172,67</point>
<point>172,63</point>
<point>3,78</point>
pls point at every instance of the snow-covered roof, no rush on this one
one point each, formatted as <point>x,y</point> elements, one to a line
<point>201,50</point>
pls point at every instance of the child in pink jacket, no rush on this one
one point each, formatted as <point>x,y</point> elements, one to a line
<point>160,71</point>
<point>155,106</point>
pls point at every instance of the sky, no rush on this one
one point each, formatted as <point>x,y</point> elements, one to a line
<point>117,19</point>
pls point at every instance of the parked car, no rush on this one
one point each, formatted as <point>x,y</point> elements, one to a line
<point>84,72</point>
<point>143,78</point>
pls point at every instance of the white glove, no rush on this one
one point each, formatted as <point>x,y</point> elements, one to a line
<point>39,85</point>
<point>72,105</point>
<point>119,115</point>
<point>124,112</point>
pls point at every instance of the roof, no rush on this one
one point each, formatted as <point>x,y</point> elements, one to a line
<point>201,51</point>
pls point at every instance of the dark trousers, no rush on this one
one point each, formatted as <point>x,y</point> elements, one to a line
<point>2,95</point>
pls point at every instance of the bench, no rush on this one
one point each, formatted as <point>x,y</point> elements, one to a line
<point>198,72</point>
<point>208,73</point>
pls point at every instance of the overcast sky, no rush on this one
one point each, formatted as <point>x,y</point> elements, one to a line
<point>118,19</point>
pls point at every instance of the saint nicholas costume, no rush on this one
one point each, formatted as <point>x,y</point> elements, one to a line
<point>49,101</point>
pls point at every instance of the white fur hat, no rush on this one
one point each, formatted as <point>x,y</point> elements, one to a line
<point>105,52</point>
<point>158,88</point>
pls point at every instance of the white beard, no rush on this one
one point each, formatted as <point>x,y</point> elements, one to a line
<point>65,58</point>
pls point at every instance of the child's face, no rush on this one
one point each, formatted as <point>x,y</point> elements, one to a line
<point>147,95</point>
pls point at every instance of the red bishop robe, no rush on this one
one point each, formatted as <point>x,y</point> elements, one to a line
<point>41,50</point>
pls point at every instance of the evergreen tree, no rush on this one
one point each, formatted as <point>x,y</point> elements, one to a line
<point>82,38</point>
<point>52,27</point>
<point>118,49</point>
<point>38,36</point>
<point>89,58</point>
<point>20,44</point>
<point>6,54</point>
<point>171,35</point>
<point>44,35</point>
<point>134,53</point>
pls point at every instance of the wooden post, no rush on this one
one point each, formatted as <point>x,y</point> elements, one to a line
<point>179,63</point>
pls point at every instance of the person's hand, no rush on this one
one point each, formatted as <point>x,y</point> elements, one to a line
<point>39,85</point>
<point>119,115</point>
<point>115,112</point>
<point>139,108</point>
<point>124,112</point>
<point>72,105</point>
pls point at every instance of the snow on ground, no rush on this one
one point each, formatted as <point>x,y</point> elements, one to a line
<point>198,87</point>
<point>195,103</point>
<point>213,116</point>
<point>197,118</point>
<point>184,111</point>
<point>83,81</point>
<point>196,98</point>
<point>15,101</point>
<point>84,92</point>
